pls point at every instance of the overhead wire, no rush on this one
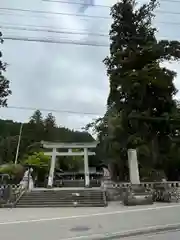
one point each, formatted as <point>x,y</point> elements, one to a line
<point>47,29</point>
<point>55,110</point>
<point>52,31</point>
<point>70,29</point>
<point>57,41</point>
<point>97,5</point>
<point>39,26</point>
<point>70,14</point>
<point>67,42</point>
<point>62,111</point>
<point>77,3</point>
<point>53,13</point>
<point>61,41</point>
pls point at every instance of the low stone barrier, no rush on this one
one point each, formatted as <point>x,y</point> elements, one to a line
<point>115,190</point>
<point>145,184</point>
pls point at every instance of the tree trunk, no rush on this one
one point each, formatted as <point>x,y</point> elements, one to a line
<point>155,150</point>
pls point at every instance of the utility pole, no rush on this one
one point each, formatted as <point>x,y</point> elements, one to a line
<point>18,145</point>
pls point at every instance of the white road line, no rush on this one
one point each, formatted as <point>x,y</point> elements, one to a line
<point>145,230</point>
<point>90,215</point>
<point>153,235</point>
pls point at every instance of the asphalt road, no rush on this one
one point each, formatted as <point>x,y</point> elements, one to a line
<point>88,223</point>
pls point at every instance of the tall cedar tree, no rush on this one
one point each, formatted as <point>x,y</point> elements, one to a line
<point>4,83</point>
<point>50,128</point>
<point>139,85</point>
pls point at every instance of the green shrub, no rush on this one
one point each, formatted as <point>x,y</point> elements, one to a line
<point>15,171</point>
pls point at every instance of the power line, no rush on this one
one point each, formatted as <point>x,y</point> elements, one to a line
<point>96,5</point>
<point>61,30</point>
<point>39,26</point>
<point>168,12</point>
<point>77,3</point>
<point>52,31</point>
<point>173,1</point>
<point>74,31</point>
<point>52,13</point>
<point>54,110</point>
<point>169,23</point>
<point>58,41</point>
<point>73,14</point>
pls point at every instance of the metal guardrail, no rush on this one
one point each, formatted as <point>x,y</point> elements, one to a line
<point>10,194</point>
<point>18,192</point>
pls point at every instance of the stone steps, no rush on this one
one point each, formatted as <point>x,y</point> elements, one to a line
<point>63,198</point>
<point>80,183</point>
<point>62,205</point>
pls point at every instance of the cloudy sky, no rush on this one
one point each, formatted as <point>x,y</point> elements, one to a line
<point>65,76</point>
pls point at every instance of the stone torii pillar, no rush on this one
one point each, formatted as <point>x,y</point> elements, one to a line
<point>52,168</point>
<point>86,168</point>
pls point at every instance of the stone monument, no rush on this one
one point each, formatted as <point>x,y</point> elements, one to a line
<point>137,194</point>
<point>133,167</point>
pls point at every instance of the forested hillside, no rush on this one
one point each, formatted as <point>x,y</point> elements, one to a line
<point>33,132</point>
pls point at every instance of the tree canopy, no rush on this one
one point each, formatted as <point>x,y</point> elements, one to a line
<point>4,83</point>
<point>141,97</point>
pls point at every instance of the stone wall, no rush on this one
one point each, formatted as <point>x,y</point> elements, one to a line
<point>115,190</point>
<point>113,193</point>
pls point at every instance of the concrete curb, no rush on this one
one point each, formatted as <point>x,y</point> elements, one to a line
<point>136,232</point>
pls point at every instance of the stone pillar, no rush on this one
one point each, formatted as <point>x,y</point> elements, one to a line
<point>86,167</point>
<point>52,167</point>
<point>133,166</point>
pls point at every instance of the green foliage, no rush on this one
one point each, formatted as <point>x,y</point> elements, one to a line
<point>37,160</point>
<point>8,148</point>
<point>4,83</point>
<point>141,98</point>
<point>76,163</point>
<point>37,118</point>
<point>71,163</point>
<point>50,127</point>
<point>149,174</point>
<point>15,171</point>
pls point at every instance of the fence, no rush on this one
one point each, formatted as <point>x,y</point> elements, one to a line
<point>116,190</point>
<point>10,194</point>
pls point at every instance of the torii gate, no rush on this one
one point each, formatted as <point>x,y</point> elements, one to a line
<point>69,146</point>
